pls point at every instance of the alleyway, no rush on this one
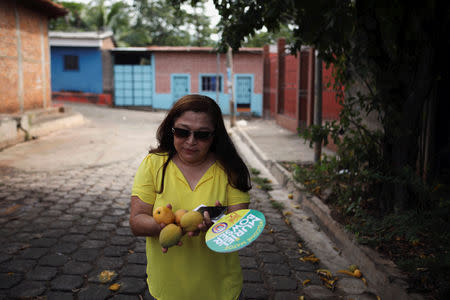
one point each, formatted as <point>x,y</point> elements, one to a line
<point>64,219</point>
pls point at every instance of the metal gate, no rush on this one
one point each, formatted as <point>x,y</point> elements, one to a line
<point>133,85</point>
<point>243,92</point>
<point>180,86</point>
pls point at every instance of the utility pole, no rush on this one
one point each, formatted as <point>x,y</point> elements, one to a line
<point>318,104</point>
<point>218,77</point>
<point>230,85</point>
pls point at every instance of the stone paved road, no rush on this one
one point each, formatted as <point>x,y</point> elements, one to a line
<point>61,227</point>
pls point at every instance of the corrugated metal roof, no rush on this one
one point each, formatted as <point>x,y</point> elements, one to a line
<point>130,49</point>
<point>181,49</point>
<point>196,49</point>
<point>94,35</point>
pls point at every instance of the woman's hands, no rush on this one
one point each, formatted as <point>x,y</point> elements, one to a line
<point>205,225</point>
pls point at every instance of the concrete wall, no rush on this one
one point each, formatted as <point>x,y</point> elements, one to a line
<point>107,65</point>
<point>24,59</point>
<point>89,77</point>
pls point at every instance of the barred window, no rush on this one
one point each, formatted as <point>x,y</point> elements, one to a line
<point>209,83</point>
<point>71,63</point>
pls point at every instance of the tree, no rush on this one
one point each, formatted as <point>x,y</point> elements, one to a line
<point>73,21</point>
<point>395,51</point>
<point>113,16</point>
<point>143,23</point>
<point>264,37</point>
<point>98,15</point>
<point>201,30</point>
<point>166,24</point>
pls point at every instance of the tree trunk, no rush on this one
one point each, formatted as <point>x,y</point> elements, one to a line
<point>403,135</point>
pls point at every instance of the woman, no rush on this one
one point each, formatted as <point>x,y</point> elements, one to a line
<point>194,163</point>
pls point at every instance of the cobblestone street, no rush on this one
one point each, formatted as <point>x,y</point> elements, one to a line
<point>59,229</point>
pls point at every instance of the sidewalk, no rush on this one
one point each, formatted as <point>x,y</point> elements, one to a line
<point>32,124</point>
<point>264,145</point>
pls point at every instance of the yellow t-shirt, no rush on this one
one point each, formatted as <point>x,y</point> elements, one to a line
<point>191,271</point>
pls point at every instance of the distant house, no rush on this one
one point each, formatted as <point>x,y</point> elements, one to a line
<point>81,64</point>
<point>87,67</point>
<point>24,54</point>
<point>157,76</point>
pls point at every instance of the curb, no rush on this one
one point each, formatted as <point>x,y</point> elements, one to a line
<point>380,273</point>
<point>15,129</point>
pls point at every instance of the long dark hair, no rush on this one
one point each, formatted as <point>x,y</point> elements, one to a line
<point>222,146</point>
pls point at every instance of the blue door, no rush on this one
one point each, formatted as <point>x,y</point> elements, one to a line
<point>243,92</point>
<point>180,86</point>
<point>133,85</point>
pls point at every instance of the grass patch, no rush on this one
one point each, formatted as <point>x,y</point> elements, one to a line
<point>277,205</point>
<point>261,182</point>
<point>255,172</point>
<point>417,240</point>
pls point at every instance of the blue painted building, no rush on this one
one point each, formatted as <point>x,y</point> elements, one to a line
<point>80,62</point>
<point>87,67</point>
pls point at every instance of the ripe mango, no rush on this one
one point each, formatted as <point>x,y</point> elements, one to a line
<point>170,235</point>
<point>164,215</point>
<point>190,220</point>
<point>178,214</point>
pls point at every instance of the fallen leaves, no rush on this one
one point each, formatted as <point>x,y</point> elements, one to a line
<point>114,287</point>
<point>106,276</point>
<point>354,271</point>
<point>10,210</point>
<point>327,278</point>
<point>302,251</point>
<point>311,258</point>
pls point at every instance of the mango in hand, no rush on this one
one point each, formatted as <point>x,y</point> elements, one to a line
<point>170,235</point>
<point>164,214</point>
<point>190,220</point>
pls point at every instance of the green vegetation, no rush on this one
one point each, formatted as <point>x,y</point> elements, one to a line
<point>391,74</point>
<point>277,205</point>
<point>143,23</point>
<point>417,240</point>
<point>254,171</point>
<point>262,183</point>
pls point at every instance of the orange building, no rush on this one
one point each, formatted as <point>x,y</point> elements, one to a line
<point>24,54</point>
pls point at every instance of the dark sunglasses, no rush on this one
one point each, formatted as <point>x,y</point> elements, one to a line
<point>198,135</point>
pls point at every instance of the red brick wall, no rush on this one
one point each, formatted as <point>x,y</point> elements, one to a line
<point>8,59</point>
<point>330,106</point>
<point>273,83</point>
<point>304,65</point>
<point>195,63</point>
<point>290,87</point>
<point>35,69</point>
<point>296,104</point>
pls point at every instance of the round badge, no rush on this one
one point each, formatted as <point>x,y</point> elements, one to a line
<point>218,228</point>
<point>235,230</point>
